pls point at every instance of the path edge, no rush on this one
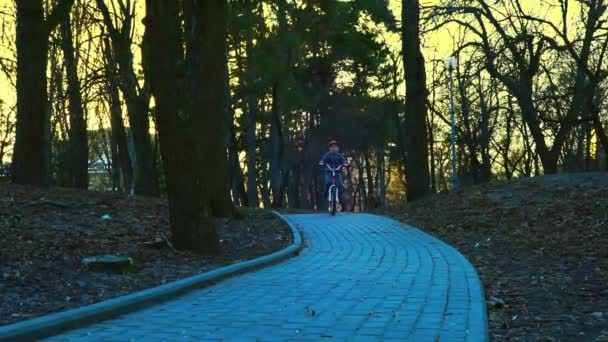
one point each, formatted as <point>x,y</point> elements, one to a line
<point>479,329</point>
<point>55,323</point>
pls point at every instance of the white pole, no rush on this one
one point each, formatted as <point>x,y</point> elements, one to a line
<point>451,64</point>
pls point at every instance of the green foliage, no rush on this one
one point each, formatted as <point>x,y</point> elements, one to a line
<point>380,12</point>
<point>310,45</point>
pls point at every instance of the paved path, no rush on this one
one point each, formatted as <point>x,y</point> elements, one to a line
<point>360,278</point>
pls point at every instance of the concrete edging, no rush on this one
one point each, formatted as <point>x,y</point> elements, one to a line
<point>52,324</point>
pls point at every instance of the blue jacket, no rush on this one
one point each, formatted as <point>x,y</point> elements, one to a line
<point>333,159</point>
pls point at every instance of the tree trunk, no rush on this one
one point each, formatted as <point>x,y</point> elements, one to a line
<point>137,101</point>
<point>531,120</point>
<point>145,182</point>
<point>250,143</point>
<point>206,63</point>
<point>530,155</point>
<point>266,201</point>
<point>58,116</point>
<point>293,186</point>
<point>352,192</point>
<point>361,186</point>
<point>78,141</point>
<point>239,196</point>
<point>508,132</point>
<point>431,137</point>
<point>119,134</point>
<point>32,152</point>
<point>307,174</point>
<point>600,131</point>
<point>524,94</point>
<point>468,136</point>
<point>115,174</point>
<point>238,185</point>
<point>250,118</point>
<point>371,193</point>
<point>588,146</point>
<point>417,171</point>
<point>580,148</point>
<point>316,191</point>
<point>381,174</point>
<point>182,145</point>
<point>484,134</point>
<point>277,147</point>
<point>279,173</point>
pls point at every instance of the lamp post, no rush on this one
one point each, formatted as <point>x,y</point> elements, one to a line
<point>450,64</point>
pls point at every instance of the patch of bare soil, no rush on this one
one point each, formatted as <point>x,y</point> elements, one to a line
<point>46,233</point>
<point>540,246</point>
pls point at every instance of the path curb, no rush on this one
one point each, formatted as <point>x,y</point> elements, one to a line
<point>52,324</point>
<point>477,325</point>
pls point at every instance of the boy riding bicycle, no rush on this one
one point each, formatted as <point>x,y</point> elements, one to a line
<point>334,159</point>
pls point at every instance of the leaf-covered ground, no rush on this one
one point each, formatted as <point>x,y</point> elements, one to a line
<point>540,246</point>
<point>46,233</point>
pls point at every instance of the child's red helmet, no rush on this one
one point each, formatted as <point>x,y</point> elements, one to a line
<point>333,142</point>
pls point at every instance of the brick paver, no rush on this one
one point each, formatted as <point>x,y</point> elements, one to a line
<point>360,278</point>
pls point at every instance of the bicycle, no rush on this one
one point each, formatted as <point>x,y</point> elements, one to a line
<point>333,194</point>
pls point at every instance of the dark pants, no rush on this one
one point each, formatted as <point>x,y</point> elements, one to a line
<point>329,182</point>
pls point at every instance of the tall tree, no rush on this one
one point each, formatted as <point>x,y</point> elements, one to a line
<point>32,153</point>
<point>416,159</point>
<point>277,129</point>
<point>277,146</point>
<point>237,184</point>
<point>521,47</point>
<point>250,119</point>
<point>121,161</point>
<point>137,97</point>
<point>205,37</point>
<point>189,90</point>
<point>587,77</point>
<point>78,146</point>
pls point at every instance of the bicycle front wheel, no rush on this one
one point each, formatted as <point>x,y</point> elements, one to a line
<point>334,202</point>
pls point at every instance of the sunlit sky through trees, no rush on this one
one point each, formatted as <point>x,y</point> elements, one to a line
<point>438,44</point>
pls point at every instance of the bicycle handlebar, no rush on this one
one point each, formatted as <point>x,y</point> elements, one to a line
<point>336,169</point>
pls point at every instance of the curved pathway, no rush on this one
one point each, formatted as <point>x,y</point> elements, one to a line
<point>360,278</point>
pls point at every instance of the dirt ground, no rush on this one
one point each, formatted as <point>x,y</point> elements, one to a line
<point>46,233</point>
<point>540,246</point>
